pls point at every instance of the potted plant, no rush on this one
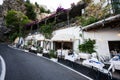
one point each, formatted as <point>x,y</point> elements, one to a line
<point>87,48</point>
<point>39,49</point>
<point>53,56</point>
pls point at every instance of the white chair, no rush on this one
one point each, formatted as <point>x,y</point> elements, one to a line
<point>94,55</point>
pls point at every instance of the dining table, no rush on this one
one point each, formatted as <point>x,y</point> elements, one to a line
<point>93,62</point>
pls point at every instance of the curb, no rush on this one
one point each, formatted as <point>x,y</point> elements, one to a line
<point>3,66</point>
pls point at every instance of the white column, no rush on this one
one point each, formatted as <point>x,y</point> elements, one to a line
<point>52,45</point>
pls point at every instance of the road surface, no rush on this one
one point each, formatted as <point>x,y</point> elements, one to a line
<point>26,66</point>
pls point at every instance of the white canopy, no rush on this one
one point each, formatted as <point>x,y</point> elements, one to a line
<point>29,37</point>
<point>39,37</point>
<point>35,37</point>
<point>63,37</point>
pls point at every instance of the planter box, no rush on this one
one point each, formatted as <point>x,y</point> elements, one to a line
<point>39,54</point>
<point>46,55</point>
<point>84,55</point>
<point>54,59</point>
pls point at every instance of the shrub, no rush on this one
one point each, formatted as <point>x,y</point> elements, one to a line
<point>88,46</point>
<point>52,54</point>
<point>40,49</point>
<point>87,21</point>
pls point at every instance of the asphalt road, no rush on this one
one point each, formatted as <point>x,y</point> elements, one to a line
<point>26,66</point>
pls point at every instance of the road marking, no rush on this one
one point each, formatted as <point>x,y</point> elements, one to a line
<point>3,72</point>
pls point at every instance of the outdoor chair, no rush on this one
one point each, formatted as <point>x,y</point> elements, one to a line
<point>104,59</point>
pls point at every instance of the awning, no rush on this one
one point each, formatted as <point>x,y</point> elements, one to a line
<point>63,37</point>
<point>29,37</point>
<point>38,37</point>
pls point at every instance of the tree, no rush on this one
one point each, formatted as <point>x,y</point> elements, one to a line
<point>94,12</point>
<point>16,20</point>
<point>30,10</point>
<point>47,30</point>
<point>43,10</point>
<point>97,10</point>
<point>28,1</point>
<point>88,1</point>
<point>36,4</point>
<point>116,6</point>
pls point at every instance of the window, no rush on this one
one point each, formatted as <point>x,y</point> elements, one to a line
<point>114,47</point>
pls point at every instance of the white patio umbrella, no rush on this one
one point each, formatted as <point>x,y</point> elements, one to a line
<point>63,37</point>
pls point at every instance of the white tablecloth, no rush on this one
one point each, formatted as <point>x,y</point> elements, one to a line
<point>72,57</point>
<point>115,63</point>
<point>45,51</point>
<point>93,62</point>
<point>33,48</point>
<point>62,52</point>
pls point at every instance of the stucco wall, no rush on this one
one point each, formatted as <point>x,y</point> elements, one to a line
<point>102,36</point>
<point>72,31</point>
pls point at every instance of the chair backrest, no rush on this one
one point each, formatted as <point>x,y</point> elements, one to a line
<point>104,58</point>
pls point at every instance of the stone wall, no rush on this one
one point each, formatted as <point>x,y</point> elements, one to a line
<point>17,5</point>
<point>0,10</point>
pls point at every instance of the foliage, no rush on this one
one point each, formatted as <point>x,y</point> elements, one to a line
<point>47,30</point>
<point>88,1</point>
<point>36,4</point>
<point>27,1</point>
<point>30,10</point>
<point>15,20</point>
<point>13,36</point>
<point>115,6</point>
<point>43,10</point>
<point>97,10</point>
<point>94,12</point>
<point>40,49</point>
<point>52,54</point>
<point>60,9</point>
<point>88,46</point>
<point>29,42</point>
<point>86,21</point>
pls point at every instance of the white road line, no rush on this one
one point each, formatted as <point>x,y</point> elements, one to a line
<point>3,66</point>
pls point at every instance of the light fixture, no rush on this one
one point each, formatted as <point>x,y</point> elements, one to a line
<point>118,34</point>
